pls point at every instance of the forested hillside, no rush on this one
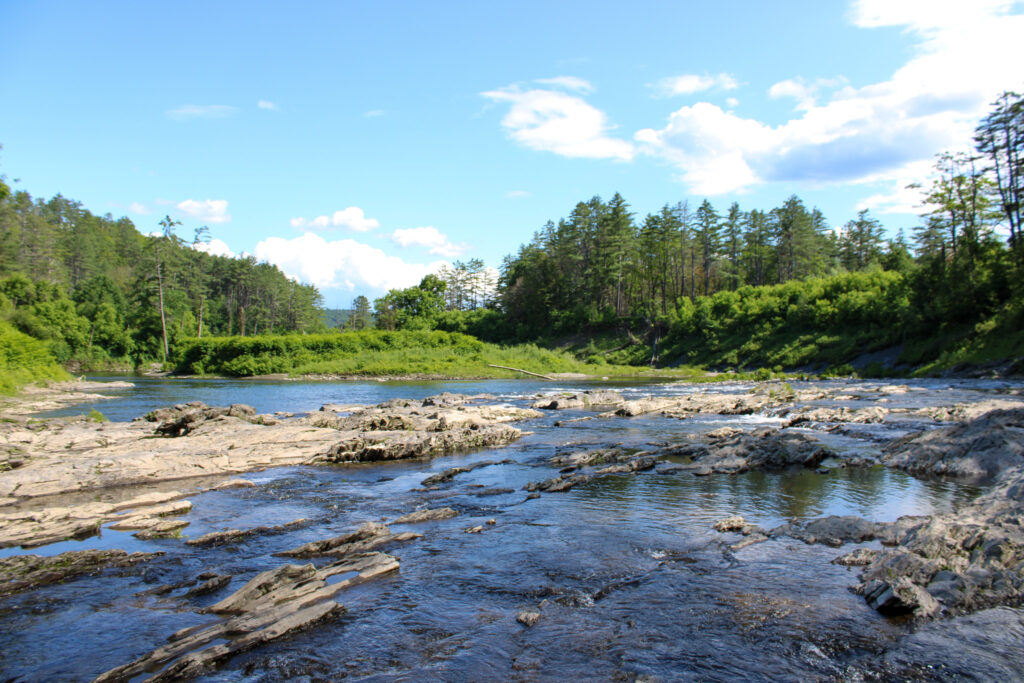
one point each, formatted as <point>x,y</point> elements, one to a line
<point>99,291</point>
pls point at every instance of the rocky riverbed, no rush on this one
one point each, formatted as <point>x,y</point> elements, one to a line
<point>69,478</point>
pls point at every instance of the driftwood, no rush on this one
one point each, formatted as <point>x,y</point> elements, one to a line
<point>525,372</point>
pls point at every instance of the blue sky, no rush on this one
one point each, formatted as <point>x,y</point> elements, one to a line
<point>359,145</point>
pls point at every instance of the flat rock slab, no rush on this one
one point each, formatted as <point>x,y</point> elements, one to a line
<point>269,606</point>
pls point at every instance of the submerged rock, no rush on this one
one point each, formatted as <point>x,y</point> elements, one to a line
<point>236,535</point>
<point>367,537</point>
<point>24,572</point>
<point>449,474</point>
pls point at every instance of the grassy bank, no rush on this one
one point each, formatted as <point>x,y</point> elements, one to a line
<point>24,360</point>
<point>376,353</point>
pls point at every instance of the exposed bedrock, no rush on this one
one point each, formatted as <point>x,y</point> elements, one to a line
<point>980,448</point>
<point>269,606</point>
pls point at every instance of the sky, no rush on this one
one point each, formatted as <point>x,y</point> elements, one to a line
<point>360,145</point>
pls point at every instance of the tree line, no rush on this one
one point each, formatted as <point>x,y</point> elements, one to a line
<point>99,290</point>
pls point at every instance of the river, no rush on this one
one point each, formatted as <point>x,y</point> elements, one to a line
<point>632,580</point>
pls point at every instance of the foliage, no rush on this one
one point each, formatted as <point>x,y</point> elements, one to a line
<point>24,360</point>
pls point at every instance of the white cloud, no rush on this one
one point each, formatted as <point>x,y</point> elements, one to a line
<point>139,208</point>
<point>266,104</point>
<point>568,82</point>
<point>351,217</point>
<point>200,111</point>
<point>517,194</point>
<point>429,237</point>
<point>207,210</point>
<point>553,121</point>
<point>214,247</point>
<point>341,264</point>
<point>966,55</point>
<point>374,113</point>
<point>804,92</point>
<point>732,102</point>
<point>688,84</point>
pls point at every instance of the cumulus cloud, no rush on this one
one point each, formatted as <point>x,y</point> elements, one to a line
<point>207,210</point>
<point>352,218</point>
<point>568,83</point>
<point>200,111</point>
<point>553,121</point>
<point>966,55</point>
<point>341,264</point>
<point>214,247</point>
<point>430,238</point>
<point>688,84</point>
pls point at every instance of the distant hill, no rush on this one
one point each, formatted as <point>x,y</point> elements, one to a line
<point>336,317</point>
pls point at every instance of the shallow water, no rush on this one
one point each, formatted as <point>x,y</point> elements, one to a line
<point>630,577</point>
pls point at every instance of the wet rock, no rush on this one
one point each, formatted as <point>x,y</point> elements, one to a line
<point>765,449</point>
<point>497,491</point>
<point>557,484</point>
<point>234,484</point>
<point>170,528</point>
<point>832,531</point>
<point>899,597</point>
<point>871,415</point>
<point>528,618</point>
<point>237,535</point>
<point>979,449</point>
<point>586,458</point>
<point>860,557</point>
<point>365,448</point>
<point>24,572</point>
<point>367,537</point>
<point>211,584</point>
<point>269,606</point>
<point>579,401</point>
<point>473,529</point>
<point>449,474</point>
<point>426,516</point>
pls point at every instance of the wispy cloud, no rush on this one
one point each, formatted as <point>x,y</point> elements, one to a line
<point>568,83</point>
<point>139,208</point>
<point>200,111</point>
<point>266,104</point>
<point>374,113</point>
<point>352,218</point>
<point>688,84</point>
<point>517,194</point>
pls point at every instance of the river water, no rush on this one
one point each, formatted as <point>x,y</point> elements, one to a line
<point>632,581</point>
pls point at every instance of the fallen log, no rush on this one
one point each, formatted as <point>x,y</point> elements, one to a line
<point>525,372</point>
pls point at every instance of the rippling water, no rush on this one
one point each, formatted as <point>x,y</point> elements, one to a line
<point>630,578</point>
